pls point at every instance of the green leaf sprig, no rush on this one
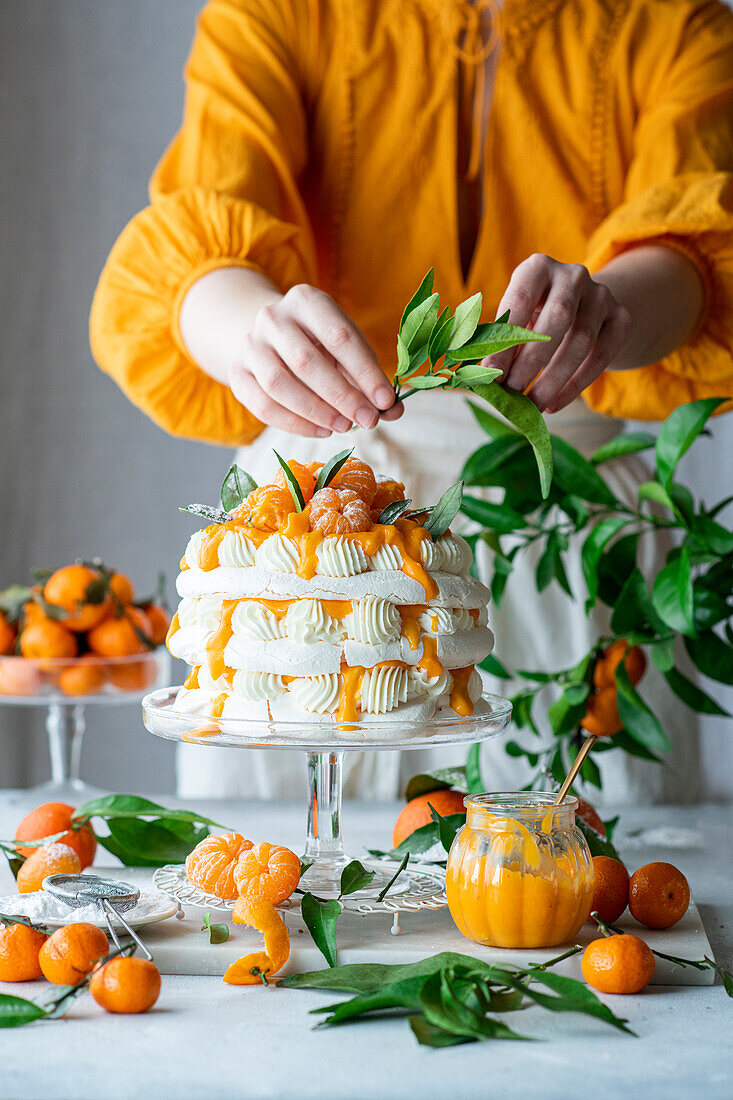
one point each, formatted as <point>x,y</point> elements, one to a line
<point>143,833</point>
<point>320,914</point>
<point>438,351</point>
<point>452,998</point>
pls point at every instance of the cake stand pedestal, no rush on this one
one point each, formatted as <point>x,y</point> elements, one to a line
<point>324,744</point>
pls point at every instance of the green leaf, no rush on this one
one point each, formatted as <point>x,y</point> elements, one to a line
<point>574,996</point>
<point>16,1011</point>
<point>440,336</point>
<point>131,805</point>
<point>447,827</point>
<point>445,511</point>
<point>150,844</point>
<point>653,491</point>
<point>426,836</point>
<point>355,876</point>
<point>213,515</point>
<point>423,291</point>
<point>418,326</point>
<point>404,994</point>
<point>634,609</point>
<point>328,471</point>
<point>524,415</point>
<point>483,468</point>
<point>404,361</point>
<point>236,487</point>
<point>713,536</point>
<point>12,600</point>
<point>550,566</point>
<point>662,654</point>
<point>370,977</point>
<point>393,511</point>
<point>493,665</point>
<point>599,845</point>
<point>497,517</point>
<point>628,443</point>
<point>320,919</point>
<point>474,782</point>
<point>638,720</point>
<point>383,893</point>
<point>425,782</point>
<point>474,374</point>
<point>623,741</point>
<point>593,548</point>
<point>672,596</point>
<point>490,424</point>
<point>218,933</point>
<point>430,1035</point>
<point>574,474</point>
<point>292,483</point>
<point>494,337</point>
<point>615,566</point>
<point>465,321</point>
<point>566,713</point>
<point>695,698</point>
<point>429,381</point>
<point>712,656</point>
<point>679,431</point>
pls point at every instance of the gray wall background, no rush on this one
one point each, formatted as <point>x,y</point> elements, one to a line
<point>90,93</point>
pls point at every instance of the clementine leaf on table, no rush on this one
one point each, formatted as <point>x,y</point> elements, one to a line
<point>218,933</point>
<point>320,916</point>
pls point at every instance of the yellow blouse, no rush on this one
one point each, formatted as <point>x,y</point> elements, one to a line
<point>319,145</point>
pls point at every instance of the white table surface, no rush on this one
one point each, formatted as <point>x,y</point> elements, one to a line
<point>207,1039</point>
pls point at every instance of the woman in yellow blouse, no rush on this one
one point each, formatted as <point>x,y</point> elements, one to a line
<point>568,158</point>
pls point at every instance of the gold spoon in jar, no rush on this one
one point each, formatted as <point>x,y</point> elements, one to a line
<point>577,765</point>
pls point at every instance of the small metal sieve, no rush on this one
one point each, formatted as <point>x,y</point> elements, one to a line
<point>109,895</point>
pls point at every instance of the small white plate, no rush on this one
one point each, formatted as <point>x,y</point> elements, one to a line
<point>157,908</point>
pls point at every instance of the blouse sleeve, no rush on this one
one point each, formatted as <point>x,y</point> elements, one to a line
<point>225,193</point>
<point>679,192</point>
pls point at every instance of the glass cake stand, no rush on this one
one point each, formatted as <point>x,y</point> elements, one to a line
<point>49,682</point>
<point>324,744</point>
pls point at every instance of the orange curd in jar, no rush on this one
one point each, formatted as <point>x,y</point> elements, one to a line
<point>519,872</point>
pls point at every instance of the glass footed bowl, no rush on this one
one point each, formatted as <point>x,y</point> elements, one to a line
<point>41,681</point>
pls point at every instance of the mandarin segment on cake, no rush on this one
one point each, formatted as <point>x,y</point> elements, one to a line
<point>320,597</point>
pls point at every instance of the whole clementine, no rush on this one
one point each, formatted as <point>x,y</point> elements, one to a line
<point>48,638</point>
<point>84,677</point>
<point>126,984</point>
<point>55,817</point>
<point>7,635</point>
<point>122,636</point>
<point>19,947</point>
<point>602,717</point>
<point>122,587</point>
<point>19,677</point>
<point>133,675</point>
<point>604,673</point>
<point>72,952</point>
<point>53,859</point>
<point>71,588</point>
<point>611,890</point>
<point>159,620</point>
<point>659,895</point>
<point>618,964</point>
<point>417,812</point>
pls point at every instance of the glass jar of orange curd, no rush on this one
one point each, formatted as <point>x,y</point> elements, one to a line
<point>519,872</point>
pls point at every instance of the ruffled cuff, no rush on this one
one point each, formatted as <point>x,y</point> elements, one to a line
<point>692,213</point>
<point>134,331</point>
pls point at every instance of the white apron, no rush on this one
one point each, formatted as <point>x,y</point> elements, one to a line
<point>426,449</point>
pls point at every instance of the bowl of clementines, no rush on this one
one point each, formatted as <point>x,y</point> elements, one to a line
<point>79,634</point>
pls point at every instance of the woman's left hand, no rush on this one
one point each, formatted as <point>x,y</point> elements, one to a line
<point>587,325</point>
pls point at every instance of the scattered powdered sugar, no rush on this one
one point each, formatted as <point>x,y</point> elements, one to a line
<point>40,906</point>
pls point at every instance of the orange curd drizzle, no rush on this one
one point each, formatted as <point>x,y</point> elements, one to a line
<point>217,645</point>
<point>460,700</point>
<point>175,626</point>
<point>337,609</point>
<point>351,678</point>
<point>192,680</point>
<point>429,660</point>
<point>183,564</point>
<point>217,705</point>
<point>410,613</point>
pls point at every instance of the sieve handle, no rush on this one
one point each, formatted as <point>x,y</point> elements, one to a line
<point>107,906</point>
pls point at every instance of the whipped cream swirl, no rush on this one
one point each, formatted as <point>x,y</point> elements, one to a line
<point>382,689</point>
<point>306,621</point>
<point>278,553</point>
<point>193,549</point>
<point>236,551</point>
<point>339,557</point>
<point>257,687</point>
<point>386,557</point>
<point>420,684</point>
<point>318,694</point>
<point>253,620</point>
<point>373,621</point>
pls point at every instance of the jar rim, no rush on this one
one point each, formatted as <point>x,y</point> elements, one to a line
<point>520,800</point>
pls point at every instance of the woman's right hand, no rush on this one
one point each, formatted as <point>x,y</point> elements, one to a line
<point>306,368</point>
